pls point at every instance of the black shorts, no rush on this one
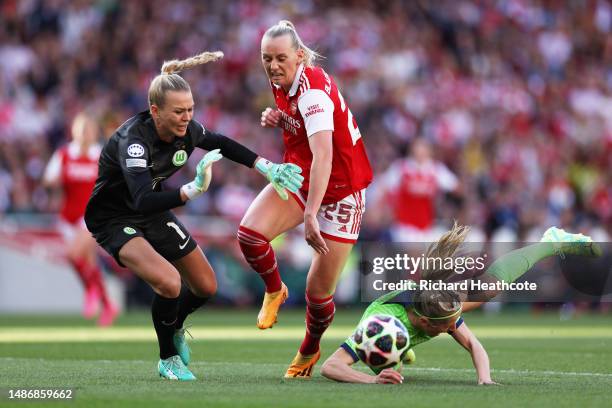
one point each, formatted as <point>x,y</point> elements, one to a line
<point>166,234</point>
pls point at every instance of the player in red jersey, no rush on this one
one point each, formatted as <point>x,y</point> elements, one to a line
<point>411,185</point>
<point>74,169</point>
<point>322,137</point>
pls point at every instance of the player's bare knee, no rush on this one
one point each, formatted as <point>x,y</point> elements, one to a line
<point>168,287</point>
<point>206,289</point>
<point>319,291</point>
<point>248,222</point>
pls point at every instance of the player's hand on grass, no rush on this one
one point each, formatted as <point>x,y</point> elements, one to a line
<point>270,118</point>
<point>312,234</point>
<point>389,376</point>
<point>487,382</point>
<point>285,176</point>
<point>201,182</point>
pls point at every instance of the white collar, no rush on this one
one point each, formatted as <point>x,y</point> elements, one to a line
<point>296,80</point>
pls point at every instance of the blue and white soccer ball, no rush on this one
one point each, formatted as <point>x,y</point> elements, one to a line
<point>381,341</point>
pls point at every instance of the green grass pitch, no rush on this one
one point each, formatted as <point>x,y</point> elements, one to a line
<point>540,361</point>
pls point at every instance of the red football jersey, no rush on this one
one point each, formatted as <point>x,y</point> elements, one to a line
<point>313,104</point>
<point>413,188</point>
<point>77,175</point>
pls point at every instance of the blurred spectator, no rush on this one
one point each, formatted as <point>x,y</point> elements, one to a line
<point>410,188</point>
<point>514,95</point>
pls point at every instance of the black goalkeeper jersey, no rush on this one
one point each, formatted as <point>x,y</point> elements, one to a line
<point>134,163</point>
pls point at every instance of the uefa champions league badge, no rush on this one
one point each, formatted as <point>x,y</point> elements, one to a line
<point>135,150</point>
<point>179,158</point>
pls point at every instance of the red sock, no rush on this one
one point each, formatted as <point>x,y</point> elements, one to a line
<point>319,315</point>
<point>91,276</point>
<point>81,268</point>
<point>259,254</point>
<point>95,275</point>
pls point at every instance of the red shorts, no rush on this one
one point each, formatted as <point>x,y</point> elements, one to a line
<point>339,221</point>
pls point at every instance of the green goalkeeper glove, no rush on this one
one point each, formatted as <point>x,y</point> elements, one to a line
<point>283,177</point>
<point>203,175</point>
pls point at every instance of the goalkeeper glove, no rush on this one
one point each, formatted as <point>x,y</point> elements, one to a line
<point>203,175</point>
<point>283,177</point>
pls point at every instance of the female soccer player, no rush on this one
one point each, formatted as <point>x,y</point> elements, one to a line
<point>322,137</point>
<point>73,168</point>
<point>428,313</point>
<point>128,213</point>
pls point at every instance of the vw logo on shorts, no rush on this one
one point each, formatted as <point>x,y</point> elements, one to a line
<point>129,230</point>
<point>179,158</point>
<point>135,150</point>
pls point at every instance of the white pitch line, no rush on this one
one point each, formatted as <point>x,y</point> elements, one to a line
<point>512,371</point>
<point>142,333</point>
<point>406,368</point>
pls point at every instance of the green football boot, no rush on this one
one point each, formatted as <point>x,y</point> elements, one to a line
<point>173,369</point>
<point>180,343</point>
<point>573,244</point>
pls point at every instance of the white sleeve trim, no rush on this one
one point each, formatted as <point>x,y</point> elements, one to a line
<point>54,168</point>
<point>317,110</point>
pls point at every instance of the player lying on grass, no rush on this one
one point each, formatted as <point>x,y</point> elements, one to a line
<point>428,313</point>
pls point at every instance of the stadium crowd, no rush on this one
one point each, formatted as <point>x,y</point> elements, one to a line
<point>514,96</point>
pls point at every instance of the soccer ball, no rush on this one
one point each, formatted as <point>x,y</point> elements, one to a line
<point>381,341</point>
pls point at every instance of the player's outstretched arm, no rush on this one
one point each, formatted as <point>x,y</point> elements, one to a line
<point>285,176</point>
<point>338,368</point>
<point>464,336</point>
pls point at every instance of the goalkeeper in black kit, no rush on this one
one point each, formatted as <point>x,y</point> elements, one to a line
<point>129,214</point>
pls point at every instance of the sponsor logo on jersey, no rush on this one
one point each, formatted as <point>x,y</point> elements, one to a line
<point>289,123</point>
<point>129,230</point>
<point>135,163</point>
<point>179,158</point>
<point>313,109</point>
<point>135,150</point>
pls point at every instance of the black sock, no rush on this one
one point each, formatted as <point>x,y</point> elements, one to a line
<point>164,313</point>
<point>188,303</point>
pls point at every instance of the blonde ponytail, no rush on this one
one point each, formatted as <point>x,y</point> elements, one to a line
<point>169,80</point>
<point>175,66</point>
<point>445,248</point>
<point>440,304</point>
